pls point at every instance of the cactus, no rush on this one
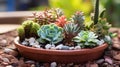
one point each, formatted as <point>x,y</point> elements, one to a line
<point>61,21</point>
<point>21,33</point>
<point>78,18</point>
<point>70,31</point>
<point>50,33</point>
<point>28,29</point>
<point>96,14</point>
<point>86,39</point>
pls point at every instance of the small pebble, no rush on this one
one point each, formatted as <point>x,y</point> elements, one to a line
<point>71,48</point>
<point>77,47</point>
<point>36,46</point>
<point>29,62</point>
<point>25,43</point>
<point>3,43</point>
<point>117,57</point>
<point>6,60</point>
<point>100,61</point>
<point>48,46</point>
<point>65,48</point>
<point>59,47</point>
<point>53,64</point>
<point>31,40</point>
<point>108,60</point>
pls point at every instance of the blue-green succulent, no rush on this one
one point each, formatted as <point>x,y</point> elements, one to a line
<point>50,33</point>
<point>86,39</point>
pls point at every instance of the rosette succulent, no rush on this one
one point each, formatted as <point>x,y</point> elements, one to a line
<point>50,33</point>
<point>86,39</point>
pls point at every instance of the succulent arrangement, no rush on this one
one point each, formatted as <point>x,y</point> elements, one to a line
<point>51,27</point>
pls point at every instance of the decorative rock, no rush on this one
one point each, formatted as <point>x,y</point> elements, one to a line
<point>100,61</point>
<point>59,47</point>
<point>10,52</point>
<point>117,57</point>
<point>94,65</point>
<point>65,48</point>
<point>9,66</point>
<point>25,43</point>
<point>29,62</point>
<point>3,42</point>
<point>77,47</point>
<point>53,64</point>
<point>116,46</point>
<point>31,40</point>
<point>32,65</point>
<point>48,46</point>
<point>6,60</point>
<point>70,65</point>
<point>100,42</point>
<point>108,60</point>
<point>71,48</point>
<point>36,46</point>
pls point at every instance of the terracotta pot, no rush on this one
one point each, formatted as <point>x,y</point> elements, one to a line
<point>61,56</point>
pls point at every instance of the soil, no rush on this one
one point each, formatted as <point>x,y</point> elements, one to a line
<point>10,57</point>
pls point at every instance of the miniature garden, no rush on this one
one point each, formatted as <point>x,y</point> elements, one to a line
<point>50,39</point>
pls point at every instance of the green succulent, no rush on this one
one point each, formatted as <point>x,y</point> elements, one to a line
<point>21,33</point>
<point>28,29</point>
<point>78,18</point>
<point>70,31</point>
<point>50,33</point>
<point>86,39</point>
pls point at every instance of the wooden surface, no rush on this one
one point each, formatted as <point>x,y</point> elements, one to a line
<point>14,17</point>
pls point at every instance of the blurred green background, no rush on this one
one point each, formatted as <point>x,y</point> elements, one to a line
<point>68,6</point>
<point>87,6</point>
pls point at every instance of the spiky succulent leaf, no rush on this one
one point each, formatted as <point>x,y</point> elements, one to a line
<point>61,21</point>
<point>21,33</point>
<point>50,33</point>
<point>86,39</point>
<point>78,18</point>
<point>70,31</point>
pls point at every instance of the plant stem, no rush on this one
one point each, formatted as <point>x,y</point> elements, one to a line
<point>96,12</point>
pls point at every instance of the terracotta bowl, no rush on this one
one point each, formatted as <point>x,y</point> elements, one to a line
<point>61,56</point>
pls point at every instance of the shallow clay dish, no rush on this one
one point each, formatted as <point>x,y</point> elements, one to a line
<point>61,56</point>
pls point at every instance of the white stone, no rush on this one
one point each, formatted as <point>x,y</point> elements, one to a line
<point>77,47</point>
<point>59,47</point>
<point>48,46</point>
<point>71,48</point>
<point>36,46</point>
<point>32,40</point>
<point>5,60</point>
<point>100,42</point>
<point>53,64</point>
<point>25,43</point>
<point>7,50</point>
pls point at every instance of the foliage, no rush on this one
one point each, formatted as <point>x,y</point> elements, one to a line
<point>70,31</point>
<point>28,29</point>
<point>86,39</point>
<point>51,33</point>
<point>47,16</point>
<point>78,18</point>
<point>61,21</point>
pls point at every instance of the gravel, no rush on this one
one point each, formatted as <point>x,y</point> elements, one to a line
<point>111,57</point>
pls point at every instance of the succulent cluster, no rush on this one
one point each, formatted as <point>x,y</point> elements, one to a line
<point>51,27</point>
<point>47,16</point>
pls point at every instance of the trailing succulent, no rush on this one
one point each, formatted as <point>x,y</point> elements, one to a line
<point>28,29</point>
<point>86,39</point>
<point>50,33</point>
